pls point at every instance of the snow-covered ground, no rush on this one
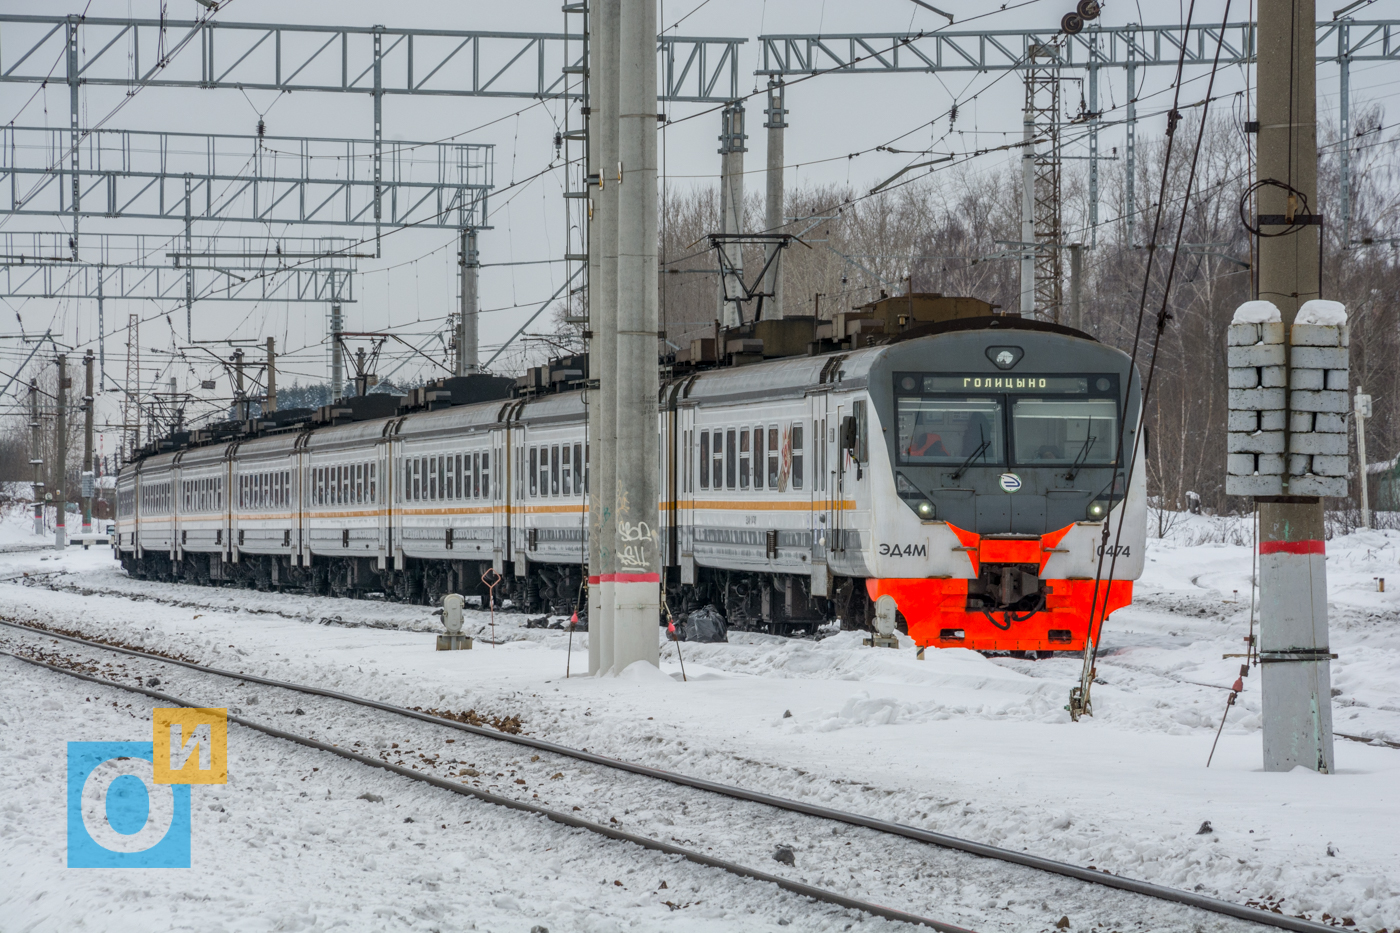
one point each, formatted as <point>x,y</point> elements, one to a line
<point>957,743</point>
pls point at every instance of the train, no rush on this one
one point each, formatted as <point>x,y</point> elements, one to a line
<point>962,463</point>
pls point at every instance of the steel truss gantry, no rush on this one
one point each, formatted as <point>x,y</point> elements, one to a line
<point>266,180</point>
<point>373,60</point>
<point>1127,47</point>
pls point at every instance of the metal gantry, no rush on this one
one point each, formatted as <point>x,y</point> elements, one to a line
<point>375,60</point>
<point>1127,47</point>
<point>218,177</point>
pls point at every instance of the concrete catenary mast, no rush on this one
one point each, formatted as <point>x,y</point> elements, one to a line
<point>1293,642</point>
<point>637,580</point>
<point>602,314</point>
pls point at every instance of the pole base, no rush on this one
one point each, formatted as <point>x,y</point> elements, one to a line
<point>454,642</point>
<point>880,641</point>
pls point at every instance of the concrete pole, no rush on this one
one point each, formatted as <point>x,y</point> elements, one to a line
<point>1028,217</point>
<point>731,206</point>
<point>603,361</point>
<point>89,480</point>
<point>1362,411</point>
<point>36,456</point>
<point>60,473</point>
<point>1076,279</point>
<point>773,214</point>
<point>467,314</point>
<point>337,351</point>
<point>1293,642</point>
<point>271,404</point>
<point>101,335</point>
<point>637,581</point>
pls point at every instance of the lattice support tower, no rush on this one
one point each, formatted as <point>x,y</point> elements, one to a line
<point>131,400</point>
<point>1043,108</point>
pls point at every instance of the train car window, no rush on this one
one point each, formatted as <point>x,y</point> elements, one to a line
<point>578,469</point>
<point>485,474</point>
<point>554,471</point>
<point>442,476</point>
<point>717,460</point>
<point>585,467</point>
<point>950,430</point>
<point>743,459</point>
<point>544,471</point>
<point>1064,432</point>
<point>862,451</point>
<point>775,457</point>
<point>287,487</point>
<point>566,478</point>
<point>373,486</point>
<point>730,461</point>
<point>534,474</point>
<point>704,459</point>
<point>433,490</point>
<point>797,458</point>
<point>457,491</point>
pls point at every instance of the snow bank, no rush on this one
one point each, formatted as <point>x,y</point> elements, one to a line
<point>1319,311</point>
<point>1257,312</point>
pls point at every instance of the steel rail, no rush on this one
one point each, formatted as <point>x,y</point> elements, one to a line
<point>1025,859</point>
<point>646,842</point>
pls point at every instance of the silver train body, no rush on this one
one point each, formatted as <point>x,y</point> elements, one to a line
<point>791,487</point>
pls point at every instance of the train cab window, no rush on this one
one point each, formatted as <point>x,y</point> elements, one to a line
<point>730,459</point>
<point>534,470</point>
<point>797,458</point>
<point>1064,432</point>
<point>949,430</point>
<point>566,485</point>
<point>578,469</point>
<point>704,459</point>
<point>743,459</point>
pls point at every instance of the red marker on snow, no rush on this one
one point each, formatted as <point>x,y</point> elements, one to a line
<point>670,626</point>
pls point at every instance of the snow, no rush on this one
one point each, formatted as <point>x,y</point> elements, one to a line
<point>1257,312</point>
<point>1322,311</point>
<point>958,743</point>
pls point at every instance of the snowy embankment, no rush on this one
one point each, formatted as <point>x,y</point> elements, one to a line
<point>958,743</point>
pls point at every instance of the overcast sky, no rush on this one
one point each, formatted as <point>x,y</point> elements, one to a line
<point>413,286</point>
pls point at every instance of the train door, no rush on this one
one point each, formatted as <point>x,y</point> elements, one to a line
<point>839,474</point>
<point>381,487</point>
<point>819,515</point>
<point>685,511</point>
<point>500,496</point>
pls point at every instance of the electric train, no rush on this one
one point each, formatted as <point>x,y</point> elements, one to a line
<point>964,468</point>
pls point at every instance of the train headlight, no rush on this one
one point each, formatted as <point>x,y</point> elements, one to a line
<point>1098,510</point>
<point>925,510</point>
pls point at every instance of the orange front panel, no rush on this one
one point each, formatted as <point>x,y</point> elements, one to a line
<point>935,609</point>
<point>1003,551</point>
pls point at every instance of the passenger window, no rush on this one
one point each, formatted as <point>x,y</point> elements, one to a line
<point>566,471</point>
<point>730,460</point>
<point>485,474</point>
<point>743,459</point>
<point>578,469</point>
<point>554,472</point>
<point>797,459</point>
<point>775,457</point>
<point>704,459</point>
<point>534,471</point>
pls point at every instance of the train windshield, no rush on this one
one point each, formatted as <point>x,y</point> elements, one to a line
<point>951,430</point>
<point>1063,431</point>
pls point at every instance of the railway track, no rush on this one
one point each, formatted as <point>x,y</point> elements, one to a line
<point>835,851</point>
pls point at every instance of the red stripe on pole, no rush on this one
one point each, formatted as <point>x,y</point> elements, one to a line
<point>592,580</point>
<point>1291,547</point>
<point>631,578</point>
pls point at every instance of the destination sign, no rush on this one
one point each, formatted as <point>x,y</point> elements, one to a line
<point>1057,385</point>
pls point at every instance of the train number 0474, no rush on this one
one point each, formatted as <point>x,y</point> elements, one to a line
<point>1116,550</point>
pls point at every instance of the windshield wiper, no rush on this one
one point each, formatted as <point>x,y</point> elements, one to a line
<point>1079,460</point>
<point>973,456</point>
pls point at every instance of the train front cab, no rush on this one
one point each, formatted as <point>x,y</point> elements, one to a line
<point>1003,462</point>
